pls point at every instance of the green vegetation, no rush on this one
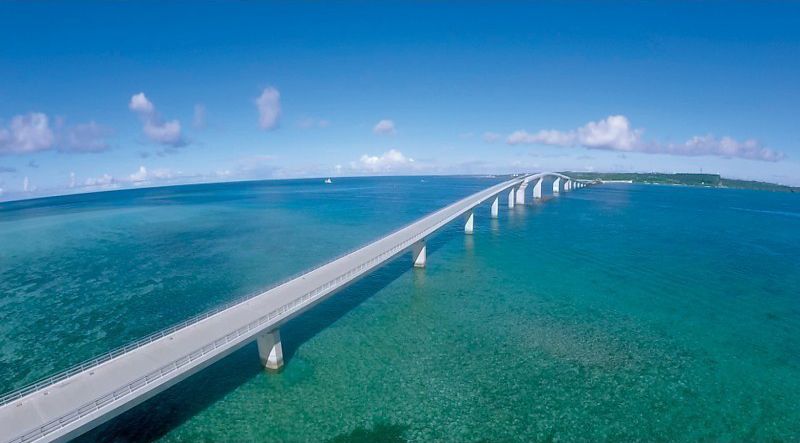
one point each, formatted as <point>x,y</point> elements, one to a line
<point>707,180</point>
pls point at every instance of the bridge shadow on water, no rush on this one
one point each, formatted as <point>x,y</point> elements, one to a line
<point>158,416</point>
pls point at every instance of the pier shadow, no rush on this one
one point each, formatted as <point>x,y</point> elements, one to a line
<point>156,417</point>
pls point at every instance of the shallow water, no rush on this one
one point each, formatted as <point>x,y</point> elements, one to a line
<point>619,312</point>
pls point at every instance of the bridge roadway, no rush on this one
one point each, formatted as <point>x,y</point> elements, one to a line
<point>66,405</point>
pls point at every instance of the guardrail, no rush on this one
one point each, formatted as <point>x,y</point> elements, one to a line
<point>445,215</point>
<point>198,353</point>
<point>96,361</point>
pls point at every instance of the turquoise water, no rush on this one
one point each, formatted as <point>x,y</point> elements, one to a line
<point>619,312</point>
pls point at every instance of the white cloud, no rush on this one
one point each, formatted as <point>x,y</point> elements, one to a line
<point>384,127</point>
<point>724,147</point>
<point>612,133</point>
<point>166,133</point>
<point>72,179</point>
<point>25,184</point>
<point>139,176</point>
<point>491,137</point>
<point>104,180</point>
<point>615,133</point>
<point>142,175</point>
<point>391,160</point>
<point>26,134</point>
<point>32,132</point>
<point>154,128</point>
<point>140,104</point>
<point>269,108</point>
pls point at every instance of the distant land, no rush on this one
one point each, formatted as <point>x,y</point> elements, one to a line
<point>705,180</point>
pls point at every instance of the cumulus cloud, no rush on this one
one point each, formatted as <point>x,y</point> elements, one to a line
<point>391,160</point>
<point>140,104</point>
<point>104,180</point>
<point>613,132</point>
<point>269,108</point>
<point>30,133</point>
<point>26,134</point>
<point>616,133</point>
<point>143,175</point>
<point>154,127</point>
<point>384,127</point>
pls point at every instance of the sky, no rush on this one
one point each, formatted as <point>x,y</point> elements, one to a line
<point>106,95</point>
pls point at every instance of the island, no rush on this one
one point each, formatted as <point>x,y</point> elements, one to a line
<point>686,179</point>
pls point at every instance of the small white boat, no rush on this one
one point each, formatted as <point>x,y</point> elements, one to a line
<point>328,181</point>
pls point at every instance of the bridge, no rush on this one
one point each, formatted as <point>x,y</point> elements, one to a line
<point>74,401</point>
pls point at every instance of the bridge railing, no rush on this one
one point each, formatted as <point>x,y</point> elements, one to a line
<point>282,311</point>
<point>122,350</point>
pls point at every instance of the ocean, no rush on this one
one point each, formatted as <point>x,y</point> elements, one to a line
<point>616,312</point>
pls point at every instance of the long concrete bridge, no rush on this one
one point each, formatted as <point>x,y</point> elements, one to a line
<point>70,403</point>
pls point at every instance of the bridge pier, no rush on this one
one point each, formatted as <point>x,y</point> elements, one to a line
<point>270,350</point>
<point>521,193</point>
<point>557,185</point>
<point>537,189</point>
<point>56,410</point>
<point>419,254</point>
<point>496,207</point>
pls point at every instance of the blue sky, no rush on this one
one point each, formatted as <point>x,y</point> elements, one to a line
<point>113,95</point>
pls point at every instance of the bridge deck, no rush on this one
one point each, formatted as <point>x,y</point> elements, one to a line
<point>83,400</point>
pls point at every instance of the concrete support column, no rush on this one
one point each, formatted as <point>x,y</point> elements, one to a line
<point>557,185</point>
<point>470,225</point>
<point>537,189</point>
<point>270,349</point>
<point>521,194</point>
<point>567,185</point>
<point>496,207</point>
<point>511,198</point>
<point>419,254</point>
